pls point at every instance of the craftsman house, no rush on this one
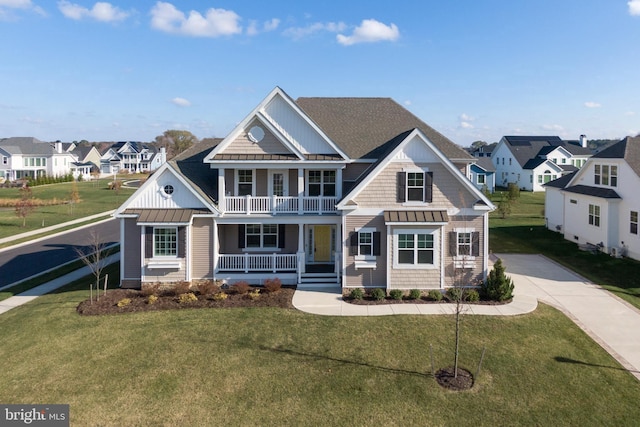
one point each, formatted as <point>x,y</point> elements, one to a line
<point>597,207</point>
<point>532,161</point>
<point>27,157</point>
<point>350,191</point>
<point>132,157</point>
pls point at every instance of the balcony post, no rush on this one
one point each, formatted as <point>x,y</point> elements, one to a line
<point>246,262</point>
<point>300,191</point>
<point>273,261</point>
<point>247,206</point>
<point>222,202</point>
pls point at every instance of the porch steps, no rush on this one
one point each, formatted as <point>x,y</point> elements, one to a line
<point>315,280</point>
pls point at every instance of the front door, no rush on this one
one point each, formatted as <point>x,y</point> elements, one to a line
<point>322,243</point>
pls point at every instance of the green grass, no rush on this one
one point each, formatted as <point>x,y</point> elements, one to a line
<point>95,198</point>
<point>524,232</point>
<point>284,367</point>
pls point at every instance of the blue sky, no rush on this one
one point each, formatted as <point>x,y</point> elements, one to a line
<point>129,70</point>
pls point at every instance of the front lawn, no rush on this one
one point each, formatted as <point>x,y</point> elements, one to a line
<point>272,366</point>
<point>524,232</point>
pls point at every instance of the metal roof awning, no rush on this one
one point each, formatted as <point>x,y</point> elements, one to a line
<point>416,217</point>
<point>165,216</point>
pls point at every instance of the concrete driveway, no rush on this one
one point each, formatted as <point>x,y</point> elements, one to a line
<point>610,321</point>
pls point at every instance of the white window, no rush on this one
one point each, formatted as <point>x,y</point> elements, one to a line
<point>321,183</point>
<point>633,222</point>
<point>165,241</point>
<point>594,215</point>
<point>415,248</point>
<point>245,182</point>
<point>482,178</point>
<point>415,186</point>
<point>261,236</point>
<point>365,243</point>
<point>605,175</point>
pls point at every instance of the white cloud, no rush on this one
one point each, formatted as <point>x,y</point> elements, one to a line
<point>466,125</point>
<point>634,7</point>
<point>101,11</point>
<point>591,104</point>
<point>267,26</point>
<point>7,5</point>
<point>407,102</point>
<point>216,22</point>
<point>300,32</point>
<point>630,113</point>
<point>272,24</point>
<point>466,117</point>
<point>181,102</point>
<point>370,31</point>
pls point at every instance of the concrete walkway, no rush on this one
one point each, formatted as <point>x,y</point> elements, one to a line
<point>608,320</point>
<point>33,293</point>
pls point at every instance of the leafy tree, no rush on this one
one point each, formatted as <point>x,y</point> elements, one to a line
<point>504,206</point>
<point>25,205</point>
<point>74,196</point>
<point>513,192</point>
<point>176,141</point>
<point>477,144</point>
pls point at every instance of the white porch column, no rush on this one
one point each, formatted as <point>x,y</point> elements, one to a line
<point>339,184</point>
<point>216,249</point>
<point>300,190</point>
<point>221,191</point>
<point>301,252</point>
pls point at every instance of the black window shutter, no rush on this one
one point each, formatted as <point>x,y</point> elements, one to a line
<point>241,239</point>
<point>453,243</point>
<point>281,235</point>
<point>475,243</point>
<point>148,242</point>
<point>182,242</point>
<point>402,182</point>
<point>353,243</point>
<point>376,243</point>
<point>428,187</point>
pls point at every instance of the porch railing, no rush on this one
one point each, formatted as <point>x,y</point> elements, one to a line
<point>280,205</point>
<point>257,262</point>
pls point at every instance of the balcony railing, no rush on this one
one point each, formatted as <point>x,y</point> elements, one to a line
<point>258,262</point>
<point>280,205</point>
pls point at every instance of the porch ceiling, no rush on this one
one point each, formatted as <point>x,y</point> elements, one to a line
<point>416,216</point>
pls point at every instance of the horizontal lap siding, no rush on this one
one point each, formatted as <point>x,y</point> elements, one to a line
<point>383,190</point>
<point>269,144</point>
<point>132,255</point>
<point>366,277</point>
<point>463,277</point>
<point>164,275</point>
<point>202,248</point>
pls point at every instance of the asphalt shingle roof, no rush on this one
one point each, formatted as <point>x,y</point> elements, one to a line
<point>364,128</point>
<point>604,193</point>
<point>627,149</point>
<point>527,148</point>
<point>190,164</point>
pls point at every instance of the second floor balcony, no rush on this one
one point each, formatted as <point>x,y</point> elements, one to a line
<point>275,205</point>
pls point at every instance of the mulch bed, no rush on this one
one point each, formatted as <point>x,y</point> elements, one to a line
<point>370,301</point>
<point>108,304</point>
<point>446,379</point>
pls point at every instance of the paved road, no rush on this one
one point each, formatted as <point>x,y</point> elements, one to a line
<point>27,260</point>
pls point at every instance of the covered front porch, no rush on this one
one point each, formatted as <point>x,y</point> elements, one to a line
<point>292,252</point>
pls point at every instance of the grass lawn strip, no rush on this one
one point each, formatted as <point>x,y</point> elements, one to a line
<point>262,366</point>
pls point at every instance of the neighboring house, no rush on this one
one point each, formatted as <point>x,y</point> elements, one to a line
<point>88,161</point>
<point>356,191</point>
<point>484,151</point>
<point>483,174</point>
<point>598,205</point>
<point>132,157</point>
<point>26,157</point>
<point>532,161</point>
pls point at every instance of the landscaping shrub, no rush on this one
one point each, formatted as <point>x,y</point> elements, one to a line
<point>241,287</point>
<point>124,302</point>
<point>396,294</point>
<point>356,293</point>
<point>150,289</point>
<point>472,295</point>
<point>151,299</point>
<point>220,296</point>
<point>208,288</point>
<point>498,286</point>
<point>415,294</point>
<point>434,295</point>
<point>454,294</point>
<point>378,294</point>
<point>187,297</point>
<point>182,287</point>
<point>254,295</point>
<point>272,285</point>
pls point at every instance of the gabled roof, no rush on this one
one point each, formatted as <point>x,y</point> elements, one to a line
<point>604,193</point>
<point>486,164</point>
<point>27,146</point>
<point>526,148</point>
<point>627,149</point>
<point>365,127</point>
<point>190,165</point>
<point>560,182</point>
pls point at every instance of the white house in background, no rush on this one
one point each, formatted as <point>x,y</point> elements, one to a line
<point>532,161</point>
<point>27,157</point>
<point>599,204</point>
<point>132,157</point>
